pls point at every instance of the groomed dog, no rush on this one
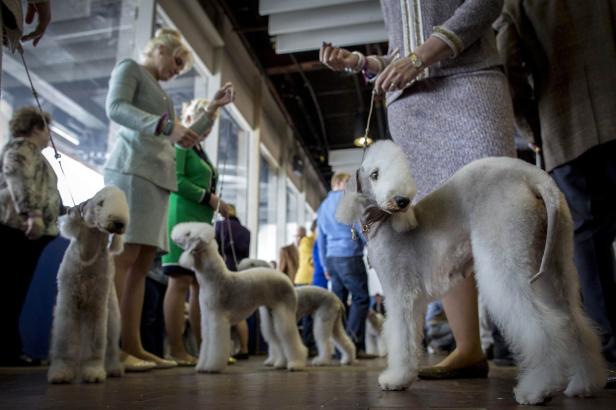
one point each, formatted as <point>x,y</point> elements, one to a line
<point>86,325</point>
<point>502,219</point>
<point>327,313</point>
<point>228,297</point>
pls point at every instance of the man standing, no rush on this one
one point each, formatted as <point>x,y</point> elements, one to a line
<point>342,261</point>
<point>566,48</point>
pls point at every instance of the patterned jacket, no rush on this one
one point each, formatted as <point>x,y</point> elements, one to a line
<point>27,183</point>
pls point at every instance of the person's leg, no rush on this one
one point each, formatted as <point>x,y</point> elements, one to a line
<point>173,306</point>
<point>588,184</point>
<point>338,287</point>
<point>242,331</point>
<point>131,305</point>
<point>355,279</point>
<point>19,268</point>
<point>194,313</point>
<point>461,308</point>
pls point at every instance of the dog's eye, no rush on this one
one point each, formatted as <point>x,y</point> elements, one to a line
<point>374,175</point>
<point>100,203</point>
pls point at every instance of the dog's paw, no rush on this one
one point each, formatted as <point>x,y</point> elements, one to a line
<point>60,373</point>
<point>296,365</point>
<point>531,396</point>
<point>93,374</point>
<point>395,380</point>
<point>581,388</point>
<point>116,370</point>
<point>347,361</point>
<point>280,364</point>
<point>269,362</point>
<point>202,368</point>
<point>318,361</point>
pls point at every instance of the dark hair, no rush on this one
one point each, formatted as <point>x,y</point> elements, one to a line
<point>313,226</point>
<point>26,119</point>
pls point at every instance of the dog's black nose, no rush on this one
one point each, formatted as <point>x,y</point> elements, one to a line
<point>401,201</point>
<point>118,226</point>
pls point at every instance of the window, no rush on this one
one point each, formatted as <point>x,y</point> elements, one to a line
<point>233,163</point>
<point>268,194</point>
<point>309,216</point>
<point>292,214</point>
<point>70,69</point>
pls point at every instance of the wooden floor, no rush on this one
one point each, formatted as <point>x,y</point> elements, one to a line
<point>249,385</point>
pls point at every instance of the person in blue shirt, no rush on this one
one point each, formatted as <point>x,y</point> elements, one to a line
<point>341,258</point>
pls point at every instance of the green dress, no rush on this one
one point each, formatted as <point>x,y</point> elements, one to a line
<point>196,177</point>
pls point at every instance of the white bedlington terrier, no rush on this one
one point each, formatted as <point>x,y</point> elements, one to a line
<point>227,297</point>
<point>328,316</point>
<point>506,221</point>
<point>374,338</point>
<point>327,313</point>
<point>86,325</point>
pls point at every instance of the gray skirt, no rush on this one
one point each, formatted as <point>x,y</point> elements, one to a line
<point>444,123</point>
<point>148,205</point>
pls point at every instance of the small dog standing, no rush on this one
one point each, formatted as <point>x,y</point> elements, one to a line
<point>86,326</point>
<point>227,297</point>
<point>504,220</point>
<point>327,312</point>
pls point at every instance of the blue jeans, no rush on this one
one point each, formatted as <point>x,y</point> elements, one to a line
<point>349,276</point>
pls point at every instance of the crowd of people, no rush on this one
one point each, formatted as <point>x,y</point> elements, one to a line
<point>452,97</point>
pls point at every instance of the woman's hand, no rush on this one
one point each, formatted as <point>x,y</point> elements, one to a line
<point>218,204</point>
<point>396,76</point>
<point>183,136</point>
<point>34,227</point>
<point>336,58</point>
<point>224,96</point>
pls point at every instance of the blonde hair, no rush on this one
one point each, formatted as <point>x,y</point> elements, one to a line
<point>172,39</point>
<point>339,177</point>
<point>193,108</point>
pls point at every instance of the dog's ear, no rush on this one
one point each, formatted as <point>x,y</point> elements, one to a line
<point>116,244</point>
<point>350,207</point>
<point>208,233</point>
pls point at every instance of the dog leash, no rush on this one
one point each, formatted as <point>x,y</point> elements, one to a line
<point>226,223</point>
<point>57,155</point>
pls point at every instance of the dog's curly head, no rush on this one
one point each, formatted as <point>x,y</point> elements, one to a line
<point>193,237</point>
<point>384,180</point>
<point>107,211</point>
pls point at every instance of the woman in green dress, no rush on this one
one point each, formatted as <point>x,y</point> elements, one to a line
<point>195,200</point>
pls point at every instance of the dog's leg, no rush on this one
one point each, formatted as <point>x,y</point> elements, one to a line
<point>64,352</point>
<point>342,341</point>
<point>586,362</point>
<point>275,357</point>
<point>370,340</point>
<point>531,322</point>
<point>113,365</point>
<point>217,342</point>
<point>93,343</point>
<point>322,331</point>
<point>403,330</point>
<point>203,347</point>
<point>286,329</point>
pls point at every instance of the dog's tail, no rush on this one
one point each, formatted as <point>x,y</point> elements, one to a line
<point>552,198</point>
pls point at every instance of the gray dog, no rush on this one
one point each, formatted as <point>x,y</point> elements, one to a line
<point>500,218</point>
<point>86,324</point>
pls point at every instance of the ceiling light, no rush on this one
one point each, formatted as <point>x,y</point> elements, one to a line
<point>359,142</point>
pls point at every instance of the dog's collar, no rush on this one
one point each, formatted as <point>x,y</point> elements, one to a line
<point>372,218</point>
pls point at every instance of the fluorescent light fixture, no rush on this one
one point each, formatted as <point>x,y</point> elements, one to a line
<point>64,133</point>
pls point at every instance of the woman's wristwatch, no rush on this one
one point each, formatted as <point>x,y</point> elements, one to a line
<point>416,61</point>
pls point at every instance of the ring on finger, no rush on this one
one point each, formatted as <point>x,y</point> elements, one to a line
<point>392,86</point>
